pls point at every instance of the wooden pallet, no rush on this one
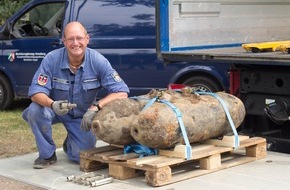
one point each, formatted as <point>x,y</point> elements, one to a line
<point>170,167</point>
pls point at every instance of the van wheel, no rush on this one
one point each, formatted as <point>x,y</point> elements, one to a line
<point>203,83</point>
<point>6,93</point>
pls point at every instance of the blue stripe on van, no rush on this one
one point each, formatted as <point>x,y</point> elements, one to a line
<point>164,25</point>
<point>205,47</point>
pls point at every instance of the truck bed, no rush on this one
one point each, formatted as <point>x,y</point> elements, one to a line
<point>215,30</point>
<point>228,55</point>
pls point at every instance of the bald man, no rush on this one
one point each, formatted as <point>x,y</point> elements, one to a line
<point>64,90</point>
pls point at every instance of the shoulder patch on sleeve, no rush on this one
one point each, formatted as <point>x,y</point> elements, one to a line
<point>42,79</point>
<point>116,77</point>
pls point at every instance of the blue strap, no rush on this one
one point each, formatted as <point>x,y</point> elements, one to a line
<point>237,142</point>
<point>181,125</point>
<point>150,103</point>
<point>179,118</point>
<point>140,149</point>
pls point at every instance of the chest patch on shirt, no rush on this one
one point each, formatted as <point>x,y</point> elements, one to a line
<point>59,80</point>
<point>116,77</point>
<point>42,79</point>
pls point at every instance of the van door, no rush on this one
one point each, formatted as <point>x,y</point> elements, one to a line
<point>33,34</point>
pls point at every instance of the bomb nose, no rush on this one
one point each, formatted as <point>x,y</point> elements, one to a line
<point>135,132</point>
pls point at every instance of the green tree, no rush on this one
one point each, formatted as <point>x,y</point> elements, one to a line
<point>8,8</point>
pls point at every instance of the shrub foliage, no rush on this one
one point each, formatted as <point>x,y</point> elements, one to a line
<point>8,8</point>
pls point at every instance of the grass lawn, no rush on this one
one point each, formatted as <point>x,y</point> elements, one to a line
<point>16,137</point>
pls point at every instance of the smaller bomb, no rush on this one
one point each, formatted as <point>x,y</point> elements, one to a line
<point>113,123</point>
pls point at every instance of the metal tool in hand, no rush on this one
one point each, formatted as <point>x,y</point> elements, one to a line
<point>67,105</point>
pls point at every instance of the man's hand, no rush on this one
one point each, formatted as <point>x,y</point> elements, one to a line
<point>88,119</point>
<point>62,107</point>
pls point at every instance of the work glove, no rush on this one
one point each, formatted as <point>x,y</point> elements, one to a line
<point>62,107</point>
<point>88,119</point>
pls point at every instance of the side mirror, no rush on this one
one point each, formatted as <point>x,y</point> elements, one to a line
<point>7,29</point>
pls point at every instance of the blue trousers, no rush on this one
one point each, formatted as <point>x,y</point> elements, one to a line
<point>41,120</point>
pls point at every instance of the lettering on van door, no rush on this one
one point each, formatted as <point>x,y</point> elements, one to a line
<point>28,56</point>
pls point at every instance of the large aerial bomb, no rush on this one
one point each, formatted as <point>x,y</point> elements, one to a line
<point>152,119</point>
<point>203,117</point>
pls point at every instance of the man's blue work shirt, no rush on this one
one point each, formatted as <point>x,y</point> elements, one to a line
<point>55,79</point>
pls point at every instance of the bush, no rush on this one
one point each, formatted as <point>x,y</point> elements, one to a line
<point>8,8</point>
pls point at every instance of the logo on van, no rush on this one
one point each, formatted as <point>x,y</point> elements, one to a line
<point>30,56</point>
<point>11,57</point>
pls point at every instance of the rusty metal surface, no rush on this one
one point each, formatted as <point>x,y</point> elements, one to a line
<point>113,123</point>
<point>203,118</point>
<point>124,122</point>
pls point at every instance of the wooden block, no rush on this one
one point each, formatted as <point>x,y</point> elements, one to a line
<point>178,152</point>
<point>259,150</point>
<point>87,165</point>
<point>158,177</point>
<point>106,155</point>
<point>122,172</point>
<point>211,162</point>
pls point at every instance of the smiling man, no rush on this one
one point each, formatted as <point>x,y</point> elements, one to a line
<point>64,90</point>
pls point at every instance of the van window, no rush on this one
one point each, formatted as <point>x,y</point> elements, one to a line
<point>41,20</point>
<point>116,18</point>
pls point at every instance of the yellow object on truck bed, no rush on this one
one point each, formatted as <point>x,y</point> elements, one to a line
<point>267,46</point>
<point>285,48</point>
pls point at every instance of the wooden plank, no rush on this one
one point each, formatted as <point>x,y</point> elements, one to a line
<point>124,157</point>
<point>252,141</point>
<point>206,158</point>
<point>188,174</point>
<point>228,141</point>
<point>236,160</point>
<point>144,160</point>
<point>91,152</point>
<point>166,161</point>
<point>106,155</point>
<point>117,145</point>
<point>180,150</point>
<point>210,151</point>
